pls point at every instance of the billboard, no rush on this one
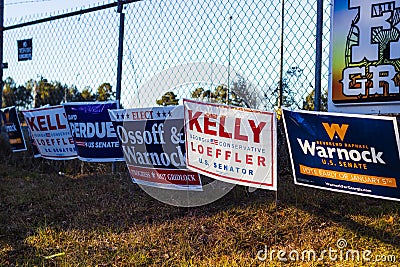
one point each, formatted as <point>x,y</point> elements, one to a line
<point>234,145</point>
<point>356,154</point>
<point>365,57</point>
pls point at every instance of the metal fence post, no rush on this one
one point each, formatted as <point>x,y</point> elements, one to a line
<point>120,56</point>
<point>1,51</point>
<point>120,49</point>
<point>318,55</point>
<point>280,89</point>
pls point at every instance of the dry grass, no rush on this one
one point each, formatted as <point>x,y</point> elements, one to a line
<point>101,219</point>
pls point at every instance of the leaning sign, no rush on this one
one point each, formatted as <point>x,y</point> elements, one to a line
<point>50,130</point>
<point>153,146</point>
<point>365,57</point>
<point>356,154</point>
<point>13,129</point>
<point>235,145</point>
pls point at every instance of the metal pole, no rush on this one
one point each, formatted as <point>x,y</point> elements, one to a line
<point>280,91</point>
<point>229,59</point>
<point>1,50</point>
<point>120,50</point>
<point>68,15</point>
<point>120,56</point>
<point>318,55</point>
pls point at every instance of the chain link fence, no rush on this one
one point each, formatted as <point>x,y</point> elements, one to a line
<point>169,46</point>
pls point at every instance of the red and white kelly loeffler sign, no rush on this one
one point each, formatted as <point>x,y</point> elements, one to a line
<point>235,145</point>
<point>50,130</point>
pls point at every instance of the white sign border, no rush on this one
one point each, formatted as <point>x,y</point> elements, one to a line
<point>274,171</point>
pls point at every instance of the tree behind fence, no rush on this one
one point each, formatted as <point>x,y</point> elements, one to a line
<point>74,55</point>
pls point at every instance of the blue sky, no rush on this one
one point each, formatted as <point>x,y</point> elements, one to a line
<point>21,8</point>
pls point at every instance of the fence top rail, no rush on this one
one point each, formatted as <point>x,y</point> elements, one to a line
<point>69,14</point>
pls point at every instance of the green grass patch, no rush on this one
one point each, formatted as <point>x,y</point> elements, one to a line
<point>99,219</point>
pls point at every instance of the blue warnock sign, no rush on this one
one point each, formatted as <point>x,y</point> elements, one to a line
<point>13,129</point>
<point>356,154</point>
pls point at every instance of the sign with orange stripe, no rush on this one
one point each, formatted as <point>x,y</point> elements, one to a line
<point>10,120</point>
<point>356,154</point>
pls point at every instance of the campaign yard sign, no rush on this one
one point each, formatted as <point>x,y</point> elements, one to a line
<point>153,144</point>
<point>356,154</point>
<point>93,132</point>
<point>235,145</point>
<point>13,129</point>
<point>365,57</point>
<point>50,130</point>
